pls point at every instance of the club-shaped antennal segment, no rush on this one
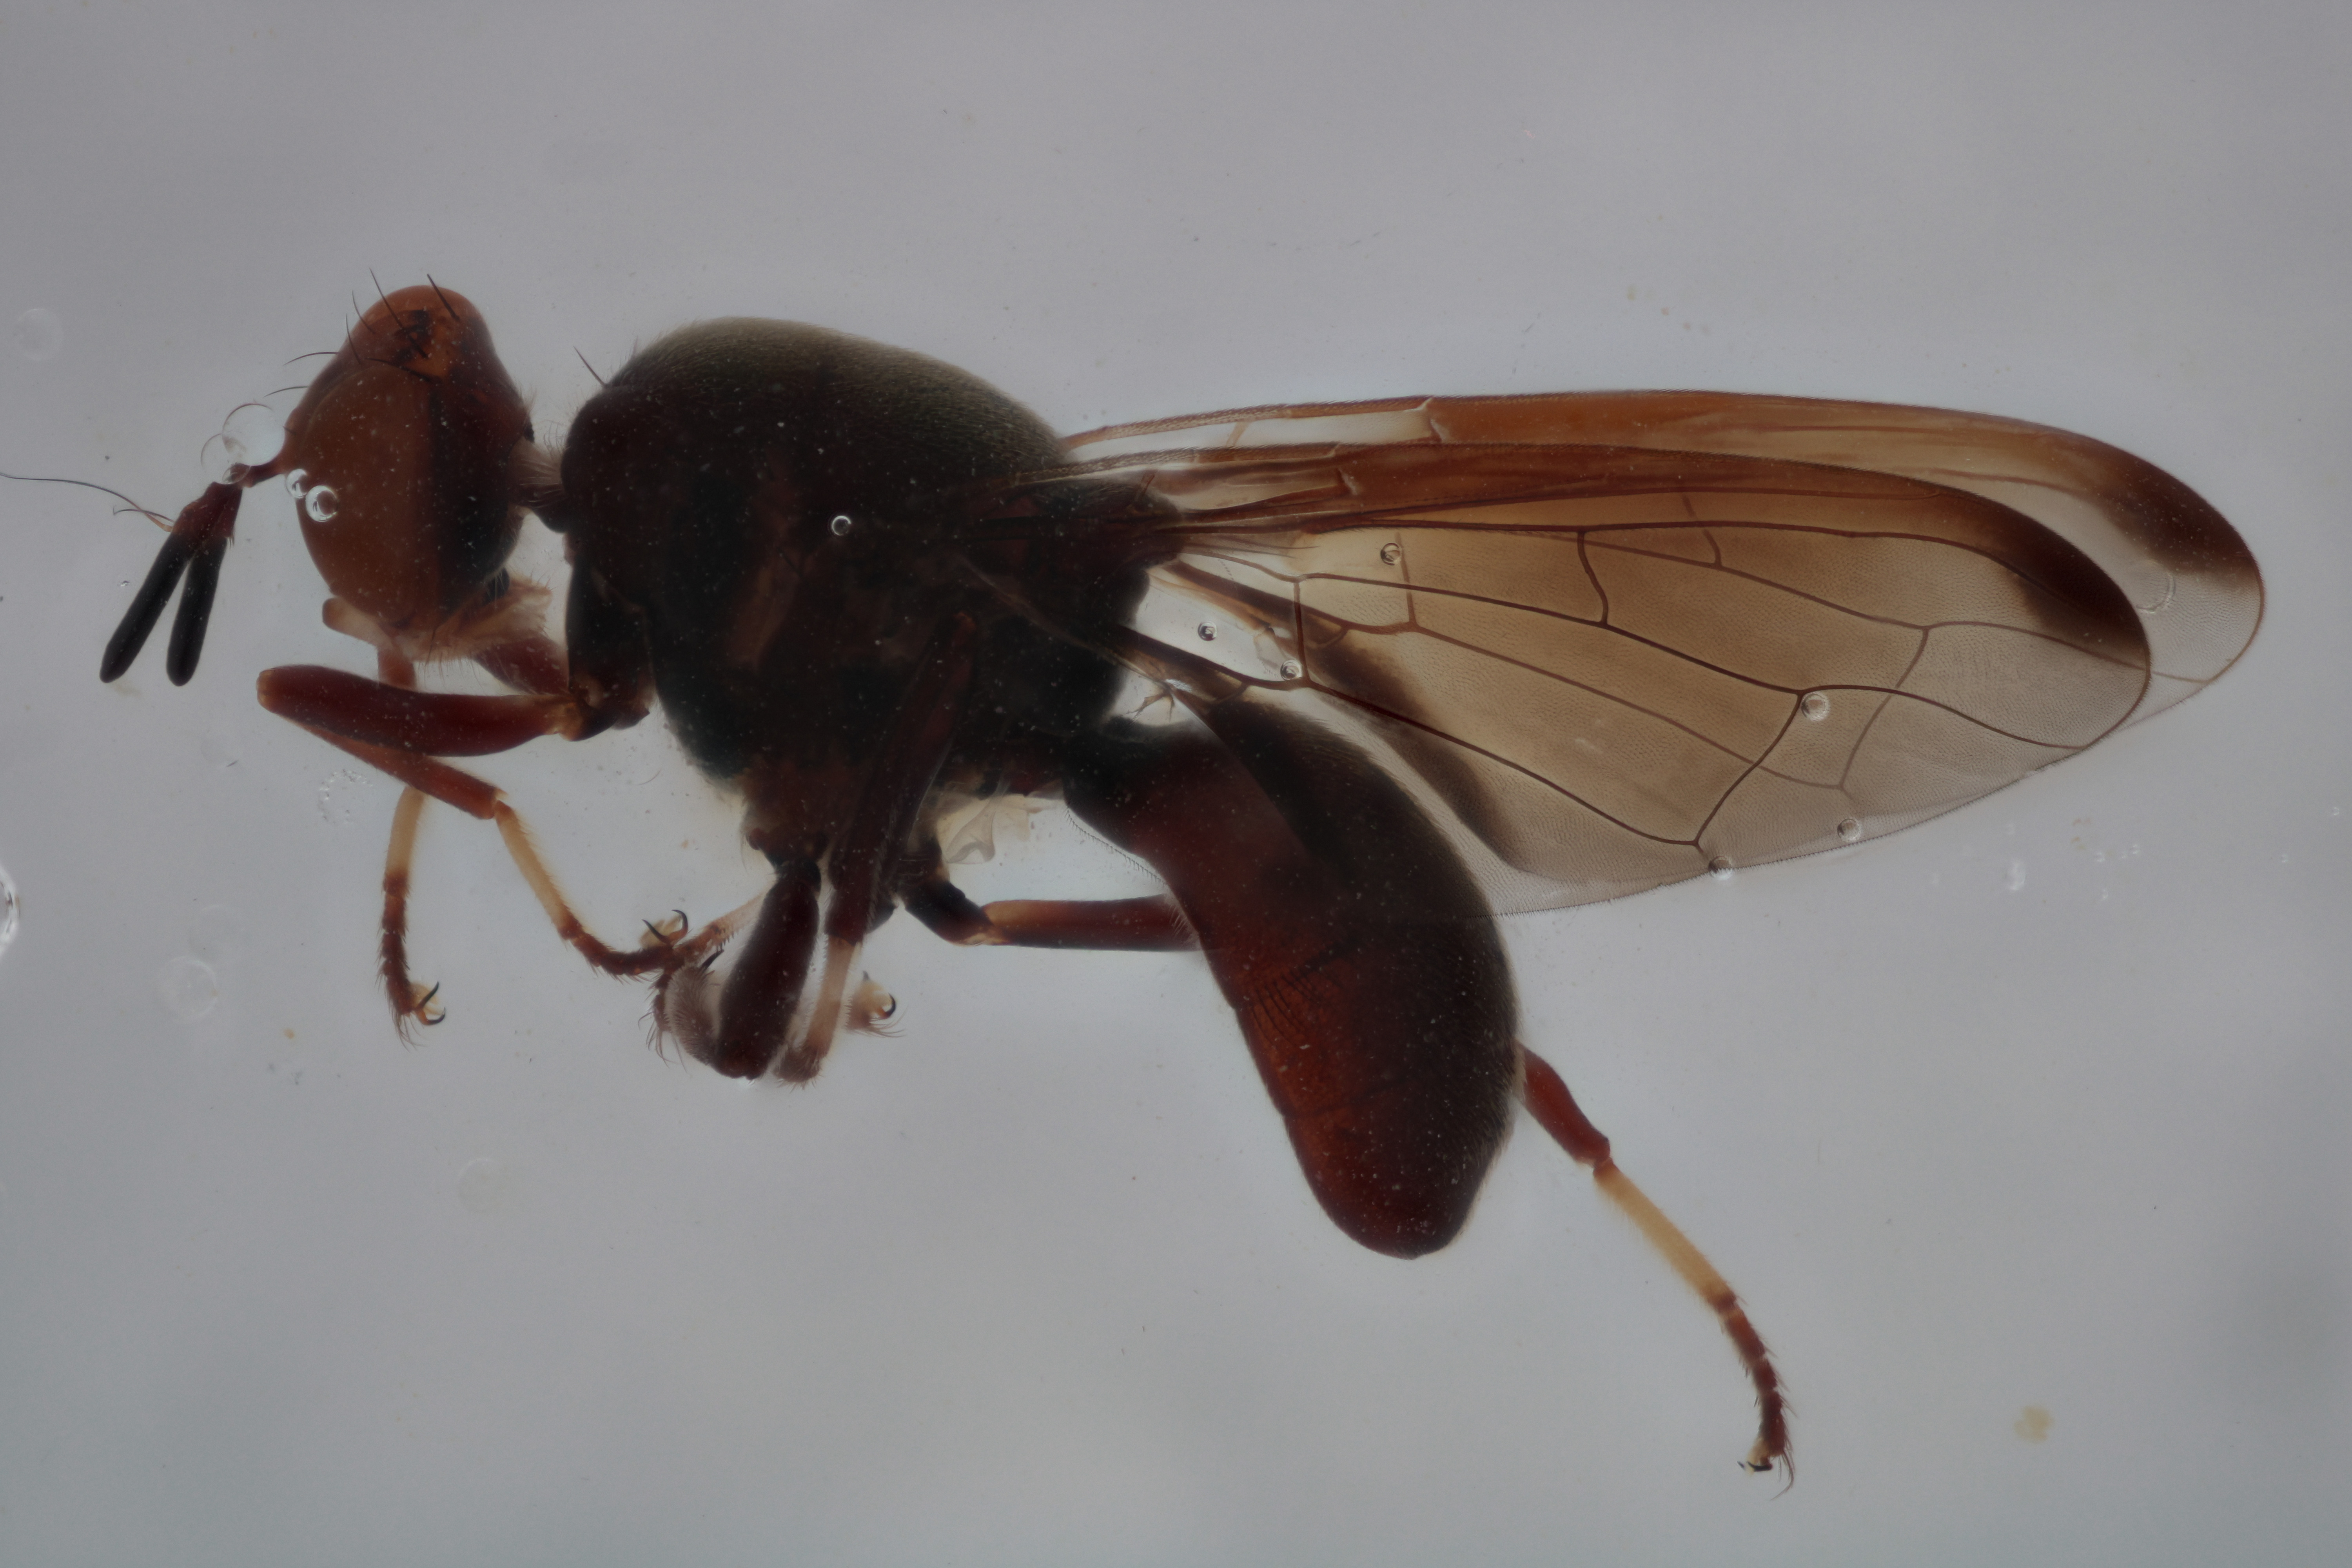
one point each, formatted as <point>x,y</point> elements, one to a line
<point>192,549</point>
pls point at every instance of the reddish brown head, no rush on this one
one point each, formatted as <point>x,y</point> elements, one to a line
<point>401,454</point>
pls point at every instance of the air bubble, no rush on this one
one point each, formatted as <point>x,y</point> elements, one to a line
<point>1850,829</point>
<point>1392,552</point>
<point>1208,631</point>
<point>2151,587</point>
<point>253,434</point>
<point>320,505</point>
<point>7,909</point>
<point>297,481</point>
<point>842,524</point>
<point>2016,880</point>
<point>40,334</point>
<point>1720,867</point>
<point>187,988</point>
<point>484,1185</point>
<point>1292,670</point>
<point>1814,705</point>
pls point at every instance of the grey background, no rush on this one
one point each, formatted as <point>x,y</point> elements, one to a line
<point>2041,1105</point>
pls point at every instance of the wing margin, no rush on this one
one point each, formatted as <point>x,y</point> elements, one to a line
<point>1620,638</point>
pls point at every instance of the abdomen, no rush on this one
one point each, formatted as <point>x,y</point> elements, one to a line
<point>1359,957</point>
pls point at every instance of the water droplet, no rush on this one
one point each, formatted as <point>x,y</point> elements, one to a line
<point>40,334</point>
<point>1392,552</point>
<point>484,1185</point>
<point>1850,829</point>
<point>1814,705</point>
<point>321,504</point>
<point>1720,867</point>
<point>2015,881</point>
<point>1292,670</point>
<point>842,524</point>
<point>187,988</point>
<point>7,909</point>
<point>1208,631</point>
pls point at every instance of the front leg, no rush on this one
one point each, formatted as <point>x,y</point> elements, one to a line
<point>425,723</point>
<point>395,729</point>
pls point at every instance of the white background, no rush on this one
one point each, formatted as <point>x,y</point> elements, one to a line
<point>1037,1281</point>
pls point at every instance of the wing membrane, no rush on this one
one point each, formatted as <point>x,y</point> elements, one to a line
<point>1620,637</point>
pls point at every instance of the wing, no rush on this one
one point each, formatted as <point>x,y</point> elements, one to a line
<point>1618,638</point>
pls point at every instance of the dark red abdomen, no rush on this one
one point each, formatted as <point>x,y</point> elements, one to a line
<point>1358,954</point>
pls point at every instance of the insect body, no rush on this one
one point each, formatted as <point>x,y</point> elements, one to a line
<point>1428,659</point>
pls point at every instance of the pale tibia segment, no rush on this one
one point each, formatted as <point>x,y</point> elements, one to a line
<point>1550,1103</point>
<point>806,1057</point>
<point>410,1003</point>
<point>525,854</point>
<point>1772,1438</point>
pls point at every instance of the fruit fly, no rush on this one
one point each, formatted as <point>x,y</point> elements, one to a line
<point>1422,660</point>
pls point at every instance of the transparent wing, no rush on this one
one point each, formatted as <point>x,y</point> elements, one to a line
<point>1617,638</point>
